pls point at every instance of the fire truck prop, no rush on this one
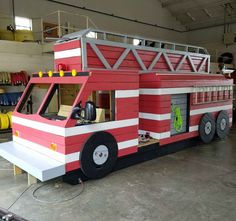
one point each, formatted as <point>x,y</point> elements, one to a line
<point>110,96</point>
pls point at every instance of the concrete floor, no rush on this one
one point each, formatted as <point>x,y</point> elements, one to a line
<point>198,183</point>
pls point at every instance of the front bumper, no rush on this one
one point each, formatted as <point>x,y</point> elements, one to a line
<point>36,164</point>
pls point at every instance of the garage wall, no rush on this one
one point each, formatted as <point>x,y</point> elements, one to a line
<point>212,39</point>
<point>16,56</point>
<point>28,56</point>
<point>147,11</point>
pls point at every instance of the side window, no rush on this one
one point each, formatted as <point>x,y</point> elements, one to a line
<point>105,105</point>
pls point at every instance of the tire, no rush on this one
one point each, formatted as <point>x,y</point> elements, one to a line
<point>222,125</point>
<point>207,128</point>
<point>98,156</point>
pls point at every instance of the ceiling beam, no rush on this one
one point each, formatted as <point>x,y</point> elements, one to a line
<point>179,13</point>
<point>207,13</point>
<point>190,16</point>
<point>196,6</point>
<point>210,23</point>
<point>220,15</point>
<point>168,3</point>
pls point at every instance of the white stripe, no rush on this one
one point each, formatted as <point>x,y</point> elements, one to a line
<point>100,127</point>
<point>48,152</point>
<point>78,130</point>
<point>210,109</point>
<point>230,119</point>
<point>193,128</point>
<point>162,91</point>
<point>127,144</point>
<point>156,135</point>
<point>39,126</point>
<point>72,157</point>
<point>67,53</point>
<point>154,116</point>
<point>126,93</point>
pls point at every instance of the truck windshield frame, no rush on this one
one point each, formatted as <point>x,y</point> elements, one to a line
<point>56,101</point>
<point>26,101</point>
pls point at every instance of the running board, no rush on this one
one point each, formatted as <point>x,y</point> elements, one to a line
<point>36,164</point>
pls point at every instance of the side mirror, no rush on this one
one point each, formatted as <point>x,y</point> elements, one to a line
<point>76,112</point>
<point>90,111</point>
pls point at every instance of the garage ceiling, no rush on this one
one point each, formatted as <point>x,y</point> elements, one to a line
<point>198,14</point>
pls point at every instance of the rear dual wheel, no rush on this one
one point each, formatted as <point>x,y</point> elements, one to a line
<point>209,127</point>
<point>222,125</point>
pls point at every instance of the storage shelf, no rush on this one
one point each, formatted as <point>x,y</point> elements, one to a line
<point>12,85</point>
<point>5,131</point>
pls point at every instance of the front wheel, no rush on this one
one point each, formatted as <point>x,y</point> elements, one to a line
<point>98,156</point>
<point>222,125</point>
<point>207,128</point>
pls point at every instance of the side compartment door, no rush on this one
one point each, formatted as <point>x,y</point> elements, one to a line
<point>179,113</point>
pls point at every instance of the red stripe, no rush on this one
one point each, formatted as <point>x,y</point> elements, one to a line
<point>179,84</point>
<point>154,126</point>
<point>184,77</point>
<point>155,98</point>
<point>115,77</point>
<point>149,109</point>
<point>72,166</point>
<point>60,80</point>
<point>154,80</point>
<point>127,151</point>
<point>178,137</point>
<point>27,132</point>
<point>215,104</point>
<point>154,105</point>
<point>113,86</point>
<point>41,138</point>
<point>126,102</point>
<point>124,114</point>
<point>125,137</point>
<point>70,63</point>
<point>67,45</point>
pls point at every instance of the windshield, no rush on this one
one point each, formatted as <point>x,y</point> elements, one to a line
<point>55,104</point>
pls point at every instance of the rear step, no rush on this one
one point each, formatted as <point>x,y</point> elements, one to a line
<point>36,164</point>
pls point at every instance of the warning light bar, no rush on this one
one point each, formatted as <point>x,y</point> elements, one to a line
<point>72,73</point>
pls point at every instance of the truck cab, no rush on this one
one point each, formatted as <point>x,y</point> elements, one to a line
<point>73,107</point>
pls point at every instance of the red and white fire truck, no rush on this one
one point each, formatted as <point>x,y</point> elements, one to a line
<point>111,95</point>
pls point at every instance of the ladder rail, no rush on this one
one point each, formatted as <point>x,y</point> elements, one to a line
<point>104,35</point>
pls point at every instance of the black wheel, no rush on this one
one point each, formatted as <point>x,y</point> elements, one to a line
<point>222,125</point>
<point>207,128</point>
<point>98,156</point>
